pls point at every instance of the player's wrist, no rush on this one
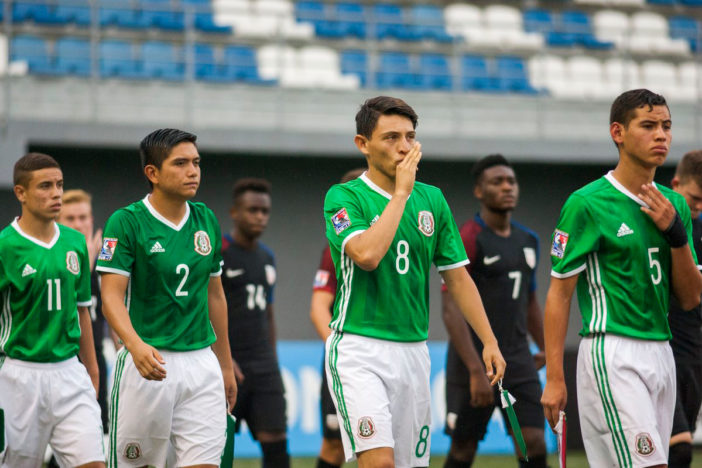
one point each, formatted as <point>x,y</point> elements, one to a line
<point>675,234</point>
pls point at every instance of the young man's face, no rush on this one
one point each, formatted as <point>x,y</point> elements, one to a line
<point>78,216</point>
<point>692,193</point>
<point>648,136</point>
<point>392,138</point>
<point>179,175</point>
<point>42,195</point>
<point>251,213</point>
<point>498,189</point>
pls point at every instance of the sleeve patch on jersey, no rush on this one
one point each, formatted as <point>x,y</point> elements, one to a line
<point>560,240</point>
<point>108,249</point>
<point>321,278</point>
<point>341,220</point>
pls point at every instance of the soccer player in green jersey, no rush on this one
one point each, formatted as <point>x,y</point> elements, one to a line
<point>385,230</point>
<point>624,243</point>
<point>162,293</point>
<point>46,395</point>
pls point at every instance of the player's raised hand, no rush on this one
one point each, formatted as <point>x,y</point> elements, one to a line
<point>148,361</point>
<point>660,210</point>
<point>494,363</point>
<point>406,171</point>
<point>554,400</point>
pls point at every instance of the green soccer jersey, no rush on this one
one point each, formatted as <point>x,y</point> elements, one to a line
<point>41,287</point>
<point>625,259</point>
<point>392,301</point>
<point>169,268</point>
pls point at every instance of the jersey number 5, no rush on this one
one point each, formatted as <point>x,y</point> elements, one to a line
<point>654,264</point>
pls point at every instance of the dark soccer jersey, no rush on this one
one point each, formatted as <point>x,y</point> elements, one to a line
<point>504,271</point>
<point>686,325</point>
<point>249,278</point>
<point>325,278</point>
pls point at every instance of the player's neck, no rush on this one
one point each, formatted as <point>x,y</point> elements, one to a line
<point>631,175</point>
<point>381,180</point>
<point>499,222</point>
<point>38,228</point>
<point>171,209</point>
<point>244,241</point>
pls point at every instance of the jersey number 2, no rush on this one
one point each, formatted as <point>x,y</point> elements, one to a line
<point>186,271</point>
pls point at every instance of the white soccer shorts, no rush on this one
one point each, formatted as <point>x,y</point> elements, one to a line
<point>382,395</point>
<point>186,410</point>
<point>626,398</point>
<point>49,403</point>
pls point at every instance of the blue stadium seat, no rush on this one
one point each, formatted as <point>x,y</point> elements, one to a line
<point>395,71</point>
<point>204,21</point>
<point>74,13</point>
<point>39,12</point>
<point>512,76</point>
<point>475,75</point>
<point>428,23</point>
<point>206,67</point>
<point>435,72</point>
<point>536,20</point>
<point>120,15</point>
<point>691,2</point>
<point>117,60</point>
<point>72,56</point>
<point>390,23</point>
<point>162,60</point>
<point>240,65</point>
<point>684,27</point>
<point>352,19</point>
<point>355,62</point>
<point>316,13</point>
<point>160,14</point>
<point>33,50</point>
<point>662,2</point>
<point>578,24</point>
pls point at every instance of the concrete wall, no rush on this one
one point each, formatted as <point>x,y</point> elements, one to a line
<point>296,228</point>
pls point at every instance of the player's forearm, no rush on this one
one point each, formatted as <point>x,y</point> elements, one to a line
<point>466,296</point>
<point>459,334</point>
<point>117,316</point>
<point>320,315</point>
<point>556,314</point>
<point>686,279</point>
<point>535,321</point>
<point>368,248</point>
<point>86,350</point>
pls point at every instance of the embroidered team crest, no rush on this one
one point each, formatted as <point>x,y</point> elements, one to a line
<point>340,220</point>
<point>108,249</point>
<point>644,444</point>
<point>426,223</point>
<point>366,427</point>
<point>321,278</point>
<point>530,257</point>
<point>132,451</point>
<point>560,241</point>
<point>72,263</point>
<point>270,274</point>
<point>202,243</point>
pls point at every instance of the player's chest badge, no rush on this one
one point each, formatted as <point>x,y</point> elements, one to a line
<point>530,257</point>
<point>270,274</point>
<point>426,223</point>
<point>72,263</point>
<point>202,243</point>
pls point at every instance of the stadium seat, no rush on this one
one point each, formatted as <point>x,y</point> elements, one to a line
<point>117,60</point>
<point>352,19</point>
<point>389,22</point>
<point>512,76</point>
<point>160,14</point>
<point>611,26</point>
<point>240,65</point>
<point>355,62</point>
<point>688,79</point>
<point>549,72</point>
<point>395,71</point>
<point>120,15</point>
<point>586,75</point>
<point>463,20</point>
<point>74,13</point>
<point>435,72</point>
<point>162,60</point>
<point>273,60</point>
<point>32,50</point>
<point>319,67</point>
<point>428,22</point>
<point>73,56</point>
<point>649,34</point>
<point>684,27</point>
<point>475,75</point>
<point>39,12</point>
<point>577,25</point>
<point>504,24</point>
<point>624,72</point>
<point>660,77</point>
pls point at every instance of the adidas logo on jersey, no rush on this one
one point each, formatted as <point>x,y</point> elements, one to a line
<point>157,247</point>
<point>28,270</point>
<point>624,230</point>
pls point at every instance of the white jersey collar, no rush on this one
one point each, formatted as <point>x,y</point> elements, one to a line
<point>51,243</point>
<point>376,188</point>
<point>157,215</point>
<point>617,185</point>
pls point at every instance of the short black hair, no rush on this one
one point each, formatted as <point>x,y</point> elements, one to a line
<point>486,163</point>
<point>625,105</point>
<point>157,145</point>
<point>371,110</point>
<point>250,184</point>
<point>690,167</point>
<point>29,163</point>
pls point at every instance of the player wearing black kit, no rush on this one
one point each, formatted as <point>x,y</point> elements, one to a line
<point>686,326</point>
<point>249,279</point>
<point>503,257</point>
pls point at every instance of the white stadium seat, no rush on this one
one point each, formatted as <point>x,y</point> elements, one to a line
<point>611,25</point>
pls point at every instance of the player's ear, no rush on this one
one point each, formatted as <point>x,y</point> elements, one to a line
<point>616,130</point>
<point>675,182</point>
<point>20,192</point>
<point>151,173</point>
<point>478,191</point>
<point>361,143</point>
